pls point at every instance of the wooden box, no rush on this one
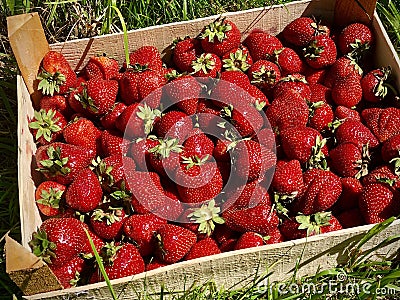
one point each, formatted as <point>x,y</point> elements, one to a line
<point>226,269</point>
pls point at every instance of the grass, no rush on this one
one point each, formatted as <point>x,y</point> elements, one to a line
<point>71,19</point>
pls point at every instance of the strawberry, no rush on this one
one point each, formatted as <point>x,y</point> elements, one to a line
<point>378,202</point>
<point>98,96</point>
<point>355,132</point>
<point>322,190</point>
<point>288,61</point>
<point>204,247</point>
<point>121,260</point>
<point>49,196</point>
<point>383,122</point>
<point>206,65</point>
<point>302,226</point>
<point>107,222</point>
<point>343,113</point>
<point>304,144</point>
<point>247,195</point>
<point>58,240</point>
<point>198,183</point>
<point>237,59</point>
<point>56,75</point>
<point>82,132</point>
<point>236,77</point>
<point>246,119</point>
<point>382,174</point>
<point>350,160</point>
<point>351,218</point>
<point>264,74</point>
<point>109,119</point>
<point>391,148</point>
<point>47,125</point>
<point>155,263</point>
<point>301,31</point>
<point>112,142</point>
<point>314,75</point>
<point>101,67</point>
<point>84,194</point>
<point>259,100</point>
<point>198,145</point>
<point>174,124</point>
<point>146,56</point>
<point>185,52</point>
<point>261,44</point>
<point>249,240</point>
<point>320,52</point>
<point>62,162</point>
<point>320,92</point>
<point>58,103</point>
<point>351,191</point>
<point>220,36</point>
<point>374,84</point>
<point>320,116</point>
<point>141,229</point>
<point>164,157</point>
<point>174,242</point>
<point>260,219</point>
<point>139,151</point>
<point>343,67</point>
<point>347,91</point>
<point>355,38</point>
<point>87,251</point>
<point>68,274</point>
<point>294,82</point>
<point>274,236</point>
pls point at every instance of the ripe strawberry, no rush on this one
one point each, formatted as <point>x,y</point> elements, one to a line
<point>252,160</point>
<point>87,251</point>
<point>288,61</point>
<point>356,38</point>
<point>155,263</point>
<point>294,82</point>
<point>301,31</point>
<point>121,260</point>
<point>266,137</point>
<point>351,218</point>
<point>249,240</point>
<point>347,91</point>
<point>383,122</point>
<point>274,236</point>
<point>350,160</point>
<point>355,132</point>
<point>320,52</point>
<point>84,194</point>
<point>322,190</point>
<point>185,52</point>
<point>304,144</point>
<point>206,65</point>
<point>344,113</point>
<point>47,125</point>
<point>320,92</point>
<point>314,75</point>
<point>112,142</point>
<point>382,174</point>
<point>261,44</point>
<point>199,182</point>
<point>236,77</point>
<point>174,124</point>
<point>351,192</point>
<point>49,197</point>
<point>264,74</point>
<point>139,151</point>
<point>108,121</point>
<point>68,274</point>
<point>378,202</point>
<point>204,247</point>
<point>146,56</point>
<point>174,242</point>
<point>62,162</point>
<point>58,103</point>
<point>247,195</point>
<point>220,36</point>
<point>391,148</point>
<point>141,229</point>
<point>258,98</point>
<point>164,157</point>
<point>237,59</point>
<point>107,222</point>
<point>101,67</point>
<point>198,145</point>
<point>302,226</point>
<point>320,116</point>
<point>374,84</point>
<point>246,119</point>
<point>56,75</point>
<point>82,132</point>
<point>343,67</point>
<point>58,240</point>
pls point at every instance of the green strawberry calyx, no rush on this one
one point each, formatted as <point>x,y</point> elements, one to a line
<point>55,165</point>
<point>194,161</point>
<point>42,247</point>
<point>264,75</point>
<point>110,216</point>
<point>86,101</point>
<point>363,162</point>
<point>313,223</point>
<point>396,162</point>
<point>166,146</point>
<point>148,115</point>
<point>109,252</point>
<point>237,61</point>
<point>317,159</point>
<point>381,88</point>
<point>313,50</point>
<point>50,197</point>
<point>102,171</point>
<point>45,124</point>
<point>203,63</point>
<point>216,29</point>
<point>313,106</point>
<point>207,216</point>
<point>281,201</point>
<point>50,83</point>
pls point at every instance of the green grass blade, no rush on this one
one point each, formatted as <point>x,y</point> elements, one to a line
<point>126,43</point>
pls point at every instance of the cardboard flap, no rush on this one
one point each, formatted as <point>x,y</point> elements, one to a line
<point>350,11</point>
<point>29,45</point>
<point>20,258</point>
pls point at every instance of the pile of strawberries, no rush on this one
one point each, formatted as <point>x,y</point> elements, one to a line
<point>233,144</point>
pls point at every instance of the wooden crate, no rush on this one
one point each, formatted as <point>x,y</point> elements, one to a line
<point>226,269</point>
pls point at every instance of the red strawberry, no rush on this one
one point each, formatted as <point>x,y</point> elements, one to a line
<point>264,74</point>
<point>374,84</point>
<point>206,65</point>
<point>245,196</point>
<point>320,52</point>
<point>322,190</point>
<point>295,82</point>
<point>237,59</point>
<point>87,250</point>
<point>101,67</point>
<point>82,132</point>
<point>321,115</point>
<point>274,236</point>
<point>108,121</point>
<point>56,75</point>
<point>155,264</point>
<point>141,229</point>
<point>174,124</point>
<point>355,37</point>
<point>49,197</point>
<point>302,226</point>
<point>259,100</point>
<point>121,260</point>
<point>351,218</point>
<point>56,102</point>
<point>112,142</point>
<point>246,119</point>
<point>68,274</point>
<point>383,123</point>
<point>351,191</point>
<point>347,91</point>
<point>355,132</point>
<point>198,145</point>
<point>58,240</point>
<point>139,151</point>
<point>343,113</point>
<point>107,222</point>
<point>85,193</point>
<point>320,92</point>
<point>384,175</point>
<point>288,61</point>
<point>378,202</point>
<point>174,242</point>
<point>47,126</point>
<point>164,157</point>
<point>220,36</point>
<point>249,240</point>
<point>146,56</point>
<point>391,148</point>
<point>62,162</point>
<point>261,44</point>
<point>301,31</point>
<point>350,160</point>
<point>314,75</point>
<point>185,52</point>
<point>344,66</point>
<point>236,77</point>
<point>204,247</point>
